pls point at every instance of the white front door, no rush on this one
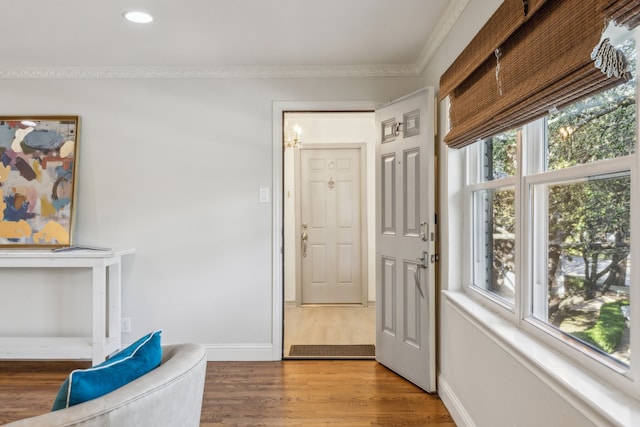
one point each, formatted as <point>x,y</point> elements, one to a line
<point>330,226</point>
<point>405,221</point>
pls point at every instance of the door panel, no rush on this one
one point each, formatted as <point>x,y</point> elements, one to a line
<point>318,205</point>
<point>319,266</point>
<point>388,302</point>
<point>411,306</point>
<point>345,264</point>
<point>405,288</point>
<point>330,206</point>
<point>412,191</point>
<point>388,194</point>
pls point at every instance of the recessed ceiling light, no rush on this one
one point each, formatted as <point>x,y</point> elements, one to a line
<point>138,17</point>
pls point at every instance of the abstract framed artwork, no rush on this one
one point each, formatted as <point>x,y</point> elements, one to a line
<point>38,162</point>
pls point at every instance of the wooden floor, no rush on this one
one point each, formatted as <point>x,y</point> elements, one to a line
<point>329,325</point>
<point>286,393</point>
<point>29,388</point>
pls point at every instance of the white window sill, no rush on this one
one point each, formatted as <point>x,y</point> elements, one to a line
<point>598,400</point>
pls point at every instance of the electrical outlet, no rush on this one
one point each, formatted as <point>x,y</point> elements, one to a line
<point>125,326</point>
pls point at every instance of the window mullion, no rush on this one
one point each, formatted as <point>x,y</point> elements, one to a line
<point>634,292</point>
<point>533,147</point>
<point>519,241</point>
<point>533,278</point>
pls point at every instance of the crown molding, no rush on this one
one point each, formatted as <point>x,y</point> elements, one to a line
<point>25,73</point>
<point>450,16</point>
<point>444,26</point>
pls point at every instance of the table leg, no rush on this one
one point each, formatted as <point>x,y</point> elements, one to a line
<point>99,313</point>
<point>114,314</point>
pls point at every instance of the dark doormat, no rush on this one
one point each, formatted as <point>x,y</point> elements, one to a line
<point>359,351</point>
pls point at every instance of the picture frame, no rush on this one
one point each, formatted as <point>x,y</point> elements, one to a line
<point>38,164</point>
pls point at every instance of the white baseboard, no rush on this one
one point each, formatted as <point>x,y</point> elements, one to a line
<point>460,416</point>
<point>239,352</point>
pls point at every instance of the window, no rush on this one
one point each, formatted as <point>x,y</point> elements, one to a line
<point>549,217</point>
<point>493,199</point>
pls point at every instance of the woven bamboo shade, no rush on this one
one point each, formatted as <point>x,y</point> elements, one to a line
<point>542,64</point>
<point>622,12</point>
<point>508,18</point>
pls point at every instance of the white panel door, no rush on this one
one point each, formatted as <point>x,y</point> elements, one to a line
<point>330,234</point>
<point>405,218</point>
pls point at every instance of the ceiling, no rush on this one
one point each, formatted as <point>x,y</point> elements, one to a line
<point>340,37</point>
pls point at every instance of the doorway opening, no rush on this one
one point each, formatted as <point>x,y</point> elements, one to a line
<point>328,233</point>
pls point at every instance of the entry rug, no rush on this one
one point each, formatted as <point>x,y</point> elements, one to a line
<point>359,351</point>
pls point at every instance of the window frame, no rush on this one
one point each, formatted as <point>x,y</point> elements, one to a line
<point>529,173</point>
<point>473,182</point>
<point>530,323</point>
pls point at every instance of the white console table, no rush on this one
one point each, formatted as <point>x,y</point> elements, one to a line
<point>106,285</point>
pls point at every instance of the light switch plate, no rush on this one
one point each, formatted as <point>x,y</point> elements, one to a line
<point>264,195</point>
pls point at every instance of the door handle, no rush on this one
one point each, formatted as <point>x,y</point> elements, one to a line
<point>416,278</point>
<point>304,243</point>
<point>424,260</point>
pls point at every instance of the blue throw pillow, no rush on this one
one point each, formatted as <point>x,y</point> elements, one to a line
<point>128,364</point>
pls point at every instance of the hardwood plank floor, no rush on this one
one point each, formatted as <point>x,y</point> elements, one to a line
<point>315,393</point>
<point>29,388</point>
<point>286,393</point>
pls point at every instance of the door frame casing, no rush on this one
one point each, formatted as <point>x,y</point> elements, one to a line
<point>364,218</point>
<point>277,250</point>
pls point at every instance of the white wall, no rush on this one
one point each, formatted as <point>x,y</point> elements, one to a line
<point>329,128</point>
<point>173,168</point>
<point>480,383</point>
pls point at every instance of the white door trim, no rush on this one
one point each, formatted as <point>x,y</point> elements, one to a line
<point>277,280</point>
<point>364,217</point>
